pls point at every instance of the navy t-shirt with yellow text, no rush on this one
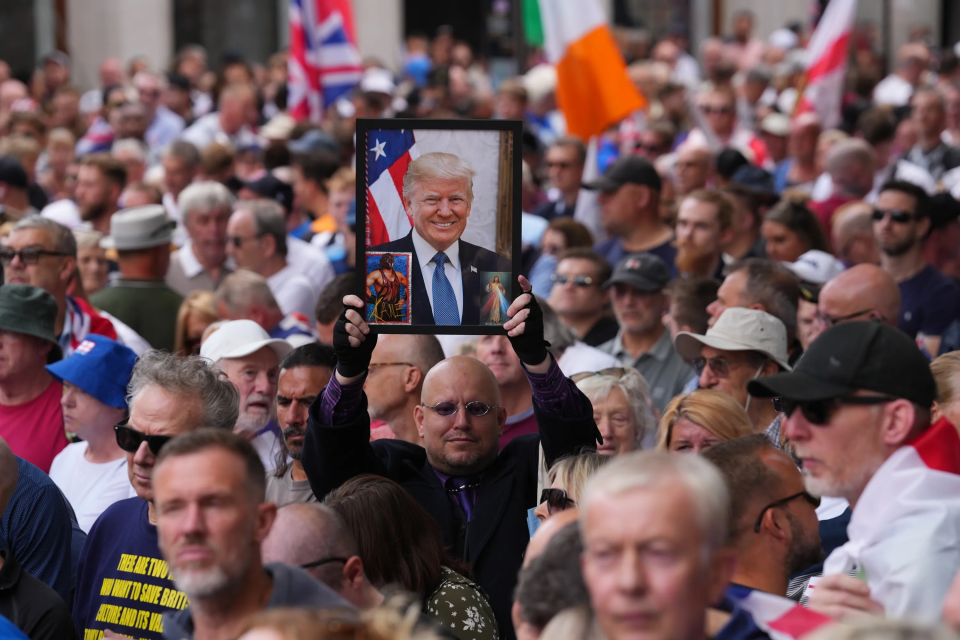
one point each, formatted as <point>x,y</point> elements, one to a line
<point>123,583</point>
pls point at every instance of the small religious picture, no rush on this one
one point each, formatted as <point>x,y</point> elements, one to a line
<point>388,288</point>
<point>496,297</point>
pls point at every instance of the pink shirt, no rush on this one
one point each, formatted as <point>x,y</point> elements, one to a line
<point>519,425</point>
<point>34,430</point>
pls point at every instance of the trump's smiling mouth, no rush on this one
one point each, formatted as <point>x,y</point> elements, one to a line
<point>443,225</point>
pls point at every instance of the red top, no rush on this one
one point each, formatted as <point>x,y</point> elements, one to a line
<point>34,429</point>
<point>825,210</point>
<point>523,426</point>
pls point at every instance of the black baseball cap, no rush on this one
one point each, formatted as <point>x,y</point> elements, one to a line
<point>632,169</point>
<point>855,356</point>
<point>754,179</point>
<point>12,172</point>
<point>643,271</point>
<point>270,186</point>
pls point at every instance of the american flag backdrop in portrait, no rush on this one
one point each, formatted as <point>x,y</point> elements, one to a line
<point>389,153</point>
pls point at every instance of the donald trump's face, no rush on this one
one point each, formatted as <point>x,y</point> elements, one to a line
<point>439,208</point>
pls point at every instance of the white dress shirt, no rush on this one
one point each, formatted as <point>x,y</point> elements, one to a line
<point>451,268</point>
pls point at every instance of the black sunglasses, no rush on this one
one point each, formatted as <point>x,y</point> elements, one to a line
<point>323,561</point>
<point>30,255</point>
<point>897,215</point>
<point>475,408</point>
<point>829,322</point>
<point>813,500</point>
<point>130,439</point>
<point>720,366</point>
<point>556,500</point>
<point>818,412</point>
<point>580,281</point>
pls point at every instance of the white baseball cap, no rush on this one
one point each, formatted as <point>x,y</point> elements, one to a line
<point>240,338</point>
<point>816,267</point>
<point>739,329</point>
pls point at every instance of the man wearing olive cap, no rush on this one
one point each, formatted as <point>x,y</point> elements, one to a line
<point>858,418</point>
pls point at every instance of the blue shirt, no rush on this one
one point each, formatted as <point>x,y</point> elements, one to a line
<point>123,583</point>
<point>612,249</point>
<point>37,528</point>
<point>165,128</point>
<point>930,302</point>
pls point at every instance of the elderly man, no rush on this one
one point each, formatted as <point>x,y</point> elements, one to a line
<point>851,165</point>
<point>180,161</point>
<point>931,152</point>
<point>201,263</point>
<point>439,206</point>
<point>704,226</point>
<point>692,169</point>
<point>564,159</point>
<point>30,416</point>
<point>163,125</point>
<point>250,358</point>
<point>230,125</point>
<point>743,345</point>
<point>257,241</point>
<point>99,183</point>
<point>458,475</point>
<point>643,342</point>
<point>244,295</point>
<point>863,292</point>
<point>773,520</point>
<point>304,372</point>
<point>579,297</point>
<point>315,538</point>
<point>168,395</point>
<point>140,298</point>
<point>638,509</point>
<point>399,364</point>
<point>858,417</point>
<point>210,496</point>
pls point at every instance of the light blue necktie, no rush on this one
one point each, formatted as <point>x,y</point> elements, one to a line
<point>444,300</point>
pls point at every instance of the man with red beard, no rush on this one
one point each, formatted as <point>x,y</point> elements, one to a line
<point>704,227</point>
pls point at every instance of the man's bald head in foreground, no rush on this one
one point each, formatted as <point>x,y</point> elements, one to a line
<point>865,291</point>
<point>546,531</point>
<point>303,533</point>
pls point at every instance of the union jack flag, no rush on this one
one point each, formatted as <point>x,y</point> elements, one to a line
<point>324,61</point>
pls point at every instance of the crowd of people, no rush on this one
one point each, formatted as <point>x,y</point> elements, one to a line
<point>723,403</point>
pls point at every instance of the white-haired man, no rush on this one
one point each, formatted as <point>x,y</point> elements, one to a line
<point>446,284</point>
<point>201,262</point>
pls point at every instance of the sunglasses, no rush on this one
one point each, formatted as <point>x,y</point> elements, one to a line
<point>130,439</point>
<point>475,408</point>
<point>556,500</point>
<point>323,561</point>
<point>813,500</point>
<point>30,255</point>
<point>896,215</point>
<point>719,366</point>
<point>580,281</point>
<point>818,412</point>
<point>829,321</point>
<point>616,372</point>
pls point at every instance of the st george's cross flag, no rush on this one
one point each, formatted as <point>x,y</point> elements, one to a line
<point>826,72</point>
<point>389,153</point>
<point>324,61</point>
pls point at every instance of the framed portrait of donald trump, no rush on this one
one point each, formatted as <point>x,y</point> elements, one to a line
<point>438,250</point>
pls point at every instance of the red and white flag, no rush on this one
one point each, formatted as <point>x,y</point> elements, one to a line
<point>827,63</point>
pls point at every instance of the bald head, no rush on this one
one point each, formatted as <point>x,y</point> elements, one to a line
<point>304,533</point>
<point>864,289</point>
<point>460,372</point>
<point>422,351</point>
<point>545,532</point>
<point>850,164</point>
<point>9,474</point>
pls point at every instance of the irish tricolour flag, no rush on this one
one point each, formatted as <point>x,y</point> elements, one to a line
<point>593,90</point>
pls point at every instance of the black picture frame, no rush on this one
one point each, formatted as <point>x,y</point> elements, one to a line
<point>508,203</point>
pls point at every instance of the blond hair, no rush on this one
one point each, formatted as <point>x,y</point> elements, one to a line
<point>716,412</point>
<point>574,471</point>
<point>343,180</point>
<point>437,165</point>
<point>200,303</point>
<point>945,369</point>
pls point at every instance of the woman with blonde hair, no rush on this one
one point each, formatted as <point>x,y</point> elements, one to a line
<point>946,373</point>
<point>565,481</point>
<point>699,420</point>
<point>195,315</point>
<point>622,407</point>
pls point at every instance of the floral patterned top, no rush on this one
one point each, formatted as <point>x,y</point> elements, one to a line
<point>461,606</point>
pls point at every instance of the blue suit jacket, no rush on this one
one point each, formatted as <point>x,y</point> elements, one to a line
<point>474,261</point>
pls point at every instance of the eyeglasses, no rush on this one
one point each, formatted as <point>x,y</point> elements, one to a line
<point>818,412</point>
<point>897,215</point>
<point>390,364</point>
<point>720,111</point>
<point>323,561</point>
<point>238,241</point>
<point>580,281</point>
<point>829,322</point>
<point>720,366</point>
<point>616,372</point>
<point>556,500</point>
<point>30,255</point>
<point>813,500</point>
<point>130,439</point>
<point>475,408</point>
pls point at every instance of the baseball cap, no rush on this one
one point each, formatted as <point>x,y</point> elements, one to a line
<point>12,172</point>
<point>315,140</point>
<point>272,187</point>
<point>100,367</point>
<point>852,356</point>
<point>643,271</point>
<point>816,267</point>
<point>632,169</point>
<point>739,329</point>
<point>776,124</point>
<point>377,80</point>
<point>240,338</point>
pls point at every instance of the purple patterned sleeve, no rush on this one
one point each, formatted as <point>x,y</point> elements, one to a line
<point>340,402</point>
<point>556,394</point>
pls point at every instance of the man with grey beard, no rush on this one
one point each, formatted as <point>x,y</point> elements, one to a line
<point>303,374</point>
<point>212,517</point>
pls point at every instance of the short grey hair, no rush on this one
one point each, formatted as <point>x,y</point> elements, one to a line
<point>269,219</point>
<point>242,288</point>
<point>188,377</point>
<point>204,196</point>
<point>655,470</point>
<point>132,146</point>
<point>636,390</point>
<point>847,152</point>
<point>437,165</point>
<point>183,150</point>
<point>87,238</point>
<point>61,237</point>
